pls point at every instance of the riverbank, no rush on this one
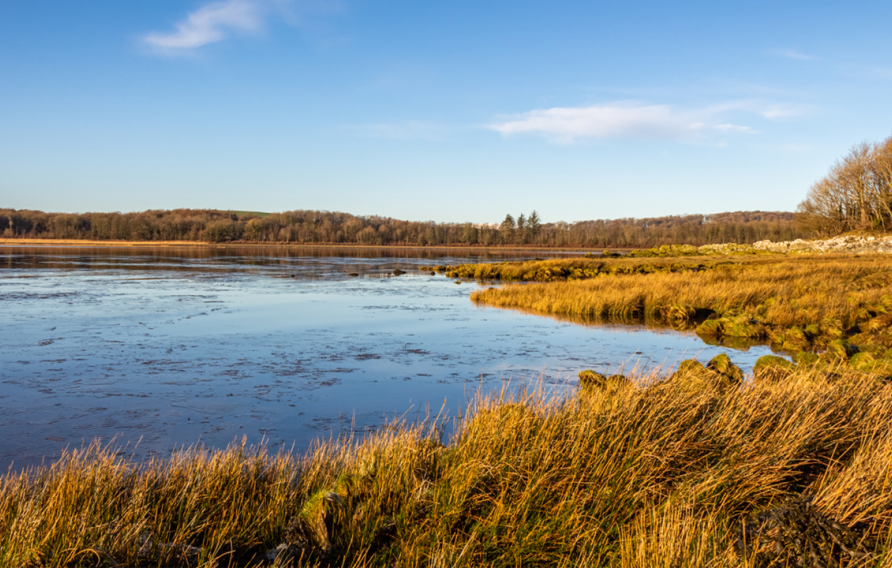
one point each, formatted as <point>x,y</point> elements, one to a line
<point>202,244</point>
<point>684,470</point>
<point>816,307</point>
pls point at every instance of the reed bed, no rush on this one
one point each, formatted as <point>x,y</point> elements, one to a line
<point>579,268</point>
<point>810,303</point>
<point>655,471</point>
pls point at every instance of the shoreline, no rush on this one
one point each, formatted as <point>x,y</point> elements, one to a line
<point>203,244</point>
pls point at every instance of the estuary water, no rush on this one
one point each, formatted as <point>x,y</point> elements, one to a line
<point>160,348</point>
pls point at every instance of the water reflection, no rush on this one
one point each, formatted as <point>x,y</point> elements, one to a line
<point>632,324</point>
<point>307,261</point>
<point>167,349</point>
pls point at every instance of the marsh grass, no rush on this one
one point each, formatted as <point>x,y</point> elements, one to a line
<point>648,472</point>
<point>577,268</point>
<point>840,304</point>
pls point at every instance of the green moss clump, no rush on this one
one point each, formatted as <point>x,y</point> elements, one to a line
<point>690,372</point>
<point>743,326</point>
<point>862,362</point>
<point>841,348</point>
<point>719,374</point>
<point>805,358</point>
<point>691,366</point>
<point>832,327</point>
<point>796,335</point>
<point>616,380</point>
<point>722,365</point>
<point>711,328</point>
<point>590,380</point>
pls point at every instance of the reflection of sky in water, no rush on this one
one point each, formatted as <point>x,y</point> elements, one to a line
<point>284,348</point>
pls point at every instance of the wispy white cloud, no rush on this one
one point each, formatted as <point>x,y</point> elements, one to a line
<point>780,111</point>
<point>631,120</point>
<point>793,54</point>
<point>217,21</point>
<point>771,111</point>
<point>211,23</point>
<point>733,128</point>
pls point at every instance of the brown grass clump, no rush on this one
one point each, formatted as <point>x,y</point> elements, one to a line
<point>649,472</point>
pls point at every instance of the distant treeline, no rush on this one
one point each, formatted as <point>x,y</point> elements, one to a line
<point>324,227</point>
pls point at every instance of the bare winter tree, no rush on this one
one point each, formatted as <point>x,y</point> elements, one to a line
<point>855,195</point>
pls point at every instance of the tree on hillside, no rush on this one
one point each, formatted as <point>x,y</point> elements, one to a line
<point>335,227</point>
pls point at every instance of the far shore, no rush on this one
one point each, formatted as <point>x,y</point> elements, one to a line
<point>203,244</point>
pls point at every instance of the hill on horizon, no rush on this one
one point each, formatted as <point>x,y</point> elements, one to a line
<point>326,227</point>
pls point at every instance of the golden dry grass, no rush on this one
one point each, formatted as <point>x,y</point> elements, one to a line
<point>645,473</point>
<point>803,302</point>
<point>575,268</point>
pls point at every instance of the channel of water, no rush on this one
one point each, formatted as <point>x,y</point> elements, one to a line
<point>160,348</point>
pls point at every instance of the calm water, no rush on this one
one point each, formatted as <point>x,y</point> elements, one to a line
<point>170,347</point>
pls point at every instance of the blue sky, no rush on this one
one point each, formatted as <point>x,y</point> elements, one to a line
<point>448,111</point>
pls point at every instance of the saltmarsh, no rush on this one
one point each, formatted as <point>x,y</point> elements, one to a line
<point>701,467</point>
<point>820,307</point>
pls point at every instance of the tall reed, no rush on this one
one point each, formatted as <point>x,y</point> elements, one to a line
<point>678,470</point>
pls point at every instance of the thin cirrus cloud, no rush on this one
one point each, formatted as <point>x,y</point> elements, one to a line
<point>209,24</point>
<point>635,121</point>
<point>221,20</point>
<point>793,54</point>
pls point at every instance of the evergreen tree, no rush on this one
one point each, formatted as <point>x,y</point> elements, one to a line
<point>534,225</point>
<point>506,229</point>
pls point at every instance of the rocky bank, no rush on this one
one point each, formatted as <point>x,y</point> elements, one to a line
<point>850,243</point>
